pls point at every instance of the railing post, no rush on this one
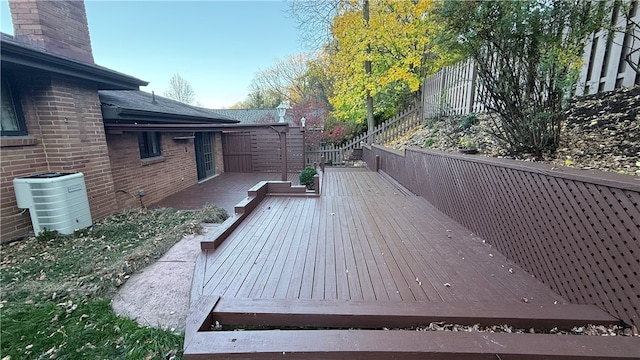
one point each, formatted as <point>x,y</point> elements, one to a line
<point>304,149</point>
<point>283,155</point>
<point>377,163</point>
<point>322,163</point>
<point>316,183</point>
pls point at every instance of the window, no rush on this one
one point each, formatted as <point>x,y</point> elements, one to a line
<point>149,143</point>
<point>12,121</point>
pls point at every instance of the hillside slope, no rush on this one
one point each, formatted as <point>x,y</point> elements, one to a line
<point>601,131</point>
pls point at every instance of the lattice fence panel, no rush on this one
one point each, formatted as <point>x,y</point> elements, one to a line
<point>578,234</point>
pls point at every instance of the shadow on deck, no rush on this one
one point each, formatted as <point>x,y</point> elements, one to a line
<point>224,191</point>
<point>327,277</point>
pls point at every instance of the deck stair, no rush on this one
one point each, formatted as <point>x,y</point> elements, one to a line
<point>354,329</point>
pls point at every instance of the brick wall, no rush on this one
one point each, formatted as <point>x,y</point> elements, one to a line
<point>159,177</point>
<point>66,134</point>
<point>19,158</point>
<point>60,27</point>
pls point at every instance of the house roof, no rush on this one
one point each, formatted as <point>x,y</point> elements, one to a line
<point>134,106</point>
<point>253,116</point>
<point>16,54</point>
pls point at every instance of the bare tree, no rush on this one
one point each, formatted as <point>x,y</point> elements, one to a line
<point>314,19</point>
<point>285,77</point>
<point>259,98</point>
<point>180,90</point>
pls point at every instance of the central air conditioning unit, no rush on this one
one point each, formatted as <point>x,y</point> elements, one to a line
<point>56,201</point>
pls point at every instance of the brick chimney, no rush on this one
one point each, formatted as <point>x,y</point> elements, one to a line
<point>59,26</point>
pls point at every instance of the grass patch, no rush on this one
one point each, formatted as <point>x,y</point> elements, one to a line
<point>87,329</point>
<point>56,289</point>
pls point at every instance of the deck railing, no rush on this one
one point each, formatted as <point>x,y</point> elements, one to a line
<point>383,133</point>
<point>578,231</point>
<point>331,153</point>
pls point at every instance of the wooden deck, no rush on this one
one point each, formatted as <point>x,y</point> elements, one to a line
<point>224,191</point>
<point>366,254</point>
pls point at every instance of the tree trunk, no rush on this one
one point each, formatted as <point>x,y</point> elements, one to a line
<point>367,69</point>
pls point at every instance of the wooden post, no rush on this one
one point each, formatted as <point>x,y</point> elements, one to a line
<point>283,154</point>
<point>377,163</point>
<point>316,183</point>
<point>322,160</point>
<point>304,149</point>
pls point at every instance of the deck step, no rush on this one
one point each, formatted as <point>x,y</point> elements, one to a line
<point>379,315</point>
<point>356,154</point>
<point>379,344</point>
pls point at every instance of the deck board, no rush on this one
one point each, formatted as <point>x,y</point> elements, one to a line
<point>367,239</point>
<point>366,253</point>
<point>224,190</point>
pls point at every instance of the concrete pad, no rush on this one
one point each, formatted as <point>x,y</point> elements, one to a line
<point>158,295</point>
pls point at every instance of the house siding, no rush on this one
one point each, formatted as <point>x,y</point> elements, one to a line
<point>159,177</point>
<point>65,134</point>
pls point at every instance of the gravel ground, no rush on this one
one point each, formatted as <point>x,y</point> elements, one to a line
<point>590,329</point>
<point>593,330</point>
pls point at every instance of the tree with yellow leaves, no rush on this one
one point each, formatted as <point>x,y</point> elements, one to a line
<point>400,40</point>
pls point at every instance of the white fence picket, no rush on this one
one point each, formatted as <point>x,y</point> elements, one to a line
<point>455,90</point>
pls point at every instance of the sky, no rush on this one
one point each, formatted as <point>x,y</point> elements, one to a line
<point>217,46</point>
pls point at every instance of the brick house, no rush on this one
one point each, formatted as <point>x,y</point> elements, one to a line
<point>63,113</point>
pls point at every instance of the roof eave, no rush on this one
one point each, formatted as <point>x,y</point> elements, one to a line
<point>111,127</point>
<point>115,114</point>
<point>106,79</point>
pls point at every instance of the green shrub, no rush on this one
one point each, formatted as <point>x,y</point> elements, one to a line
<point>468,121</point>
<point>306,177</point>
<point>429,142</point>
<point>467,143</point>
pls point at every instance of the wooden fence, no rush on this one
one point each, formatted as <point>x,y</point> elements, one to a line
<point>258,150</point>
<point>333,155</point>
<point>383,133</point>
<point>604,56</point>
<point>455,90</point>
<point>577,231</point>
